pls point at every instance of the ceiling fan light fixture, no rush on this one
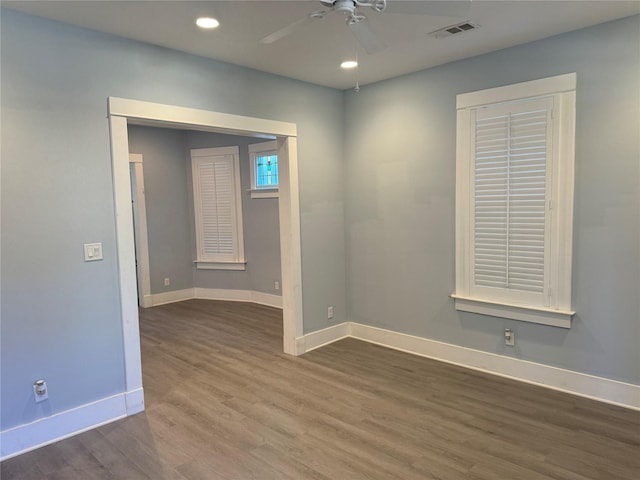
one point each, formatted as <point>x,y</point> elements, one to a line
<point>207,22</point>
<point>349,64</point>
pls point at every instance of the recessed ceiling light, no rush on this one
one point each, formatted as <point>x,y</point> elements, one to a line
<point>349,64</point>
<point>207,22</point>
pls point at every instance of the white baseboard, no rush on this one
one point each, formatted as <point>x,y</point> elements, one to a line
<point>171,297</point>
<point>222,294</point>
<point>267,299</point>
<point>320,338</point>
<point>134,401</point>
<point>217,294</point>
<point>568,381</point>
<point>147,301</point>
<point>24,438</point>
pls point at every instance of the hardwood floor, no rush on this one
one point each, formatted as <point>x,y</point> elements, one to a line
<point>223,402</point>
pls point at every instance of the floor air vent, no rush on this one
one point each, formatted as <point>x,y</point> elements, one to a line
<point>454,29</point>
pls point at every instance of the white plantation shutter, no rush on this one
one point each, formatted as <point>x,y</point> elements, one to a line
<point>216,203</point>
<point>510,185</point>
<point>515,156</point>
<point>217,207</point>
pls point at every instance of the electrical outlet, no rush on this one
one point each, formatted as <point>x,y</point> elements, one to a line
<point>330,311</point>
<point>40,391</point>
<point>276,285</point>
<point>167,282</point>
<point>509,337</point>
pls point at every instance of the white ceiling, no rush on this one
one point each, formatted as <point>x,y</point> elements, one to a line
<point>314,52</point>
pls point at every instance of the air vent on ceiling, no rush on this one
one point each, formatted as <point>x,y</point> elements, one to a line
<point>454,29</point>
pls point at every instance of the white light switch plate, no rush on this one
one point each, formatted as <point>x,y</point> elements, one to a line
<point>92,252</point>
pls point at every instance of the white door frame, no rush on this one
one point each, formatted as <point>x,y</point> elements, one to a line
<point>123,111</point>
<point>140,229</point>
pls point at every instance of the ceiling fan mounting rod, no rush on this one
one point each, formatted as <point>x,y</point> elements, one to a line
<point>348,7</point>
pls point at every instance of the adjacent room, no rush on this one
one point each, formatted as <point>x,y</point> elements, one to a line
<point>303,239</point>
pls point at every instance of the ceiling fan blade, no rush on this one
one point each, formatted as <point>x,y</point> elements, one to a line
<point>442,8</point>
<point>289,29</point>
<point>367,37</point>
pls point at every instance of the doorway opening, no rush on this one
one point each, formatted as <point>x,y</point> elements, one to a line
<point>122,112</point>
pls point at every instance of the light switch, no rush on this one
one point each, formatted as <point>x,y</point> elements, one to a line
<point>92,252</point>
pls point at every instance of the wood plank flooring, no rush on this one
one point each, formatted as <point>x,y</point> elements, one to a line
<point>224,403</point>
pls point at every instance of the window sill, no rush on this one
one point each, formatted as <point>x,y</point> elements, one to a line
<point>200,265</point>
<point>541,315</point>
<point>264,193</point>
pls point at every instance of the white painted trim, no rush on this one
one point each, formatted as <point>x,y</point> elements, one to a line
<point>47,430</point>
<point>268,146</point>
<point>268,299</point>
<point>147,301</point>
<point>229,295</point>
<point>125,252</point>
<point>563,183</point>
<point>264,193</point>
<point>225,294</point>
<point>323,337</point>
<point>463,201</point>
<point>172,296</point>
<point>290,244</point>
<point>140,227</point>
<point>123,111</point>
<point>215,151</point>
<point>516,91</point>
<point>134,401</point>
<point>147,113</point>
<point>238,266</point>
<point>541,315</point>
<point>568,381</point>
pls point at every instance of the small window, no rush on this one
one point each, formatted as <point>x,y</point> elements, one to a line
<point>218,208</point>
<point>264,170</point>
<point>514,201</point>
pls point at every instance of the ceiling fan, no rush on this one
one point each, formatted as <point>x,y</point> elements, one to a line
<point>360,26</point>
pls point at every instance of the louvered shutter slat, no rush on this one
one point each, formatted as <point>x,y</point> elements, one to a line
<point>509,195</point>
<point>217,207</point>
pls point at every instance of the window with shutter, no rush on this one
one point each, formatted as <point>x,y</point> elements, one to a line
<point>510,188</point>
<point>218,208</point>
<point>514,195</point>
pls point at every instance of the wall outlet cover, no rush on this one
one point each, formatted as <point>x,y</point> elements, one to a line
<point>40,391</point>
<point>92,252</point>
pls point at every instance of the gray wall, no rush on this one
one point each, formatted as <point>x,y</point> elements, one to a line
<point>260,223</point>
<point>400,154</point>
<point>60,315</point>
<point>167,201</point>
<point>170,214</point>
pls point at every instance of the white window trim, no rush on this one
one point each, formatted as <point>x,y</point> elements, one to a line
<point>559,313</point>
<point>220,265</point>
<point>254,150</point>
<point>201,262</point>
